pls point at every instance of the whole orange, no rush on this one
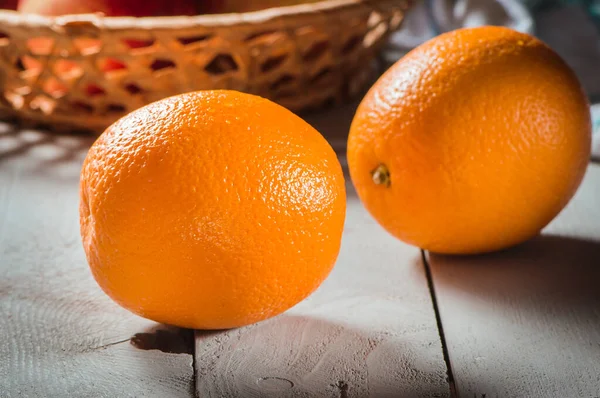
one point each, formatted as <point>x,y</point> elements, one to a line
<point>211,210</point>
<point>472,142</point>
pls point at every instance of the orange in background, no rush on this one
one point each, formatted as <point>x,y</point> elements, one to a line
<point>472,142</point>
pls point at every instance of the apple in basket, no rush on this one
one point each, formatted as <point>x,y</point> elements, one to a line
<point>8,4</point>
<point>135,8</point>
<point>228,6</point>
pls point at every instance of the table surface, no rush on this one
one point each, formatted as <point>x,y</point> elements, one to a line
<point>390,321</point>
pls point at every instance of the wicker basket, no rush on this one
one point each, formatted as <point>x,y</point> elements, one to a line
<point>86,71</point>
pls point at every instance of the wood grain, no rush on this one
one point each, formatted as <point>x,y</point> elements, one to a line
<point>368,331</point>
<point>526,322</point>
<point>61,336</point>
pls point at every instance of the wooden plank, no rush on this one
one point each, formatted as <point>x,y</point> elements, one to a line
<point>369,330</point>
<point>526,322</point>
<point>61,336</point>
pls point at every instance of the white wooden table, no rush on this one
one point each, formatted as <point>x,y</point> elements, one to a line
<point>390,321</point>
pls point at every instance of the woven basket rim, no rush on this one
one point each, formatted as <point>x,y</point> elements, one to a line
<point>15,18</point>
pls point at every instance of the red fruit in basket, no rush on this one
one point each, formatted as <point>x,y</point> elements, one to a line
<point>8,4</point>
<point>229,6</point>
<point>112,64</point>
<point>136,8</point>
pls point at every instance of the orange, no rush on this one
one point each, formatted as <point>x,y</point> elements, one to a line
<point>472,142</point>
<point>211,210</point>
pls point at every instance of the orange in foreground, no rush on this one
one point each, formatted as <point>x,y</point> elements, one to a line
<point>211,210</point>
<point>472,142</point>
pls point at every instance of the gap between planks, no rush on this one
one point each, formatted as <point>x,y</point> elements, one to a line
<point>62,336</point>
<point>524,321</point>
<point>440,326</point>
<point>369,330</point>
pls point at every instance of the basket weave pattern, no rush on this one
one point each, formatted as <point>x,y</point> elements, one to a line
<point>87,71</point>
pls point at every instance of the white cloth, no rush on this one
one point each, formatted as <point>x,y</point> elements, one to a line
<point>429,18</point>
